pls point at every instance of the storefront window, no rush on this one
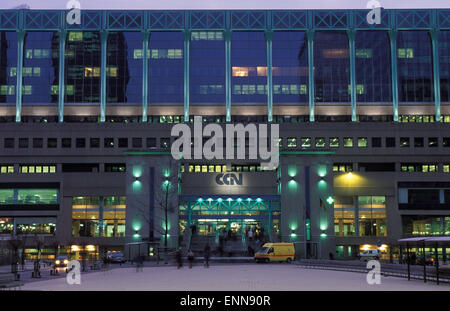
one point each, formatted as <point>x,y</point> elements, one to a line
<point>28,196</point>
<point>344,216</point>
<point>6,225</point>
<point>35,225</point>
<point>114,216</point>
<point>372,215</point>
<point>85,216</point>
<point>425,225</point>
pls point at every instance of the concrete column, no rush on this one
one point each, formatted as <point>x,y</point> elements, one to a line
<point>351,42</point>
<point>61,77</point>
<point>269,37</point>
<point>104,43</point>
<point>434,34</point>
<point>227,36</point>
<point>145,41</point>
<point>19,73</point>
<point>187,40</point>
<point>394,75</point>
<point>311,90</point>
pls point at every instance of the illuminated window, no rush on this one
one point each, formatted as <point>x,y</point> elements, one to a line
<point>446,168</point>
<point>320,142</point>
<point>362,142</point>
<point>348,142</point>
<point>6,169</point>
<point>335,53</point>
<point>363,53</point>
<point>334,142</point>
<point>292,142</point>
<point>306,142</point>
<point>406,53</point>
<point>75,36</point>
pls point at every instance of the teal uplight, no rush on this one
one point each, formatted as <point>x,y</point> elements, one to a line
<point>239,200</point>
<point>200,200</point>
<point>249,199</point>
<point>137,171</point>
<point>229,199</point>
<point>292,170</point>
<point>322,170</point>
<point>323,235</point>
<point>322,184</point>
<point>166,172</point>
<point>136,186</point>
<point>209,200</point>
<point>219,200</point>
<point>259,200</point>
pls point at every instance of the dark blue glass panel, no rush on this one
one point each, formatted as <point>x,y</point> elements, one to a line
<point>124,68</point>
<point>373,63</point>
<point>40,68</point>
<point>290,68</point>
<point>82,67</point>
<point>444,65</point>
<point>207,68</point>
<point>8,67</point>
<point>248,68</point>
<point>166,69</point>
<point>415,70</point>
<point>331,67</point>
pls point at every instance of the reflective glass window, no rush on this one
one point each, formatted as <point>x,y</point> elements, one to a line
<point>166,69</point>
<point>82,67</point>
<point>331,67</point>
<point>415,72</point>
<point>8,67</point>
<point>372,62</point>
<point>124,70</point>
<point>444,65</point>
<point>290,68</point>
<point>249,69</point>
<point>40,68</point>
<point>207,68</point>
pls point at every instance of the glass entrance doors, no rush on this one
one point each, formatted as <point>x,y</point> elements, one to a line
<point>215,216</point>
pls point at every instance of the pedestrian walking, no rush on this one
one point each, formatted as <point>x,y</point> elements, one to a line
<point>250,234</point>
<point>178,259</point>
<point>190,257</point>
<point>206,255</point>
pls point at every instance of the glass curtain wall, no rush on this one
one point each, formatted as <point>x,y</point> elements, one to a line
<point>8,73</point>
<point>373,63</point>
<point>166,69</point>
<point>249,69</point>
<point>290,68</point>
<point>124,76</point>
<point>444,66</point>
<point>331,67</point>
<point>415,68</point>
<point>207,68</point>
<point>41,76</point>
<point>82,75</point>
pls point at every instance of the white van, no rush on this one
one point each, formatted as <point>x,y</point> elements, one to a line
<point>370,254</point>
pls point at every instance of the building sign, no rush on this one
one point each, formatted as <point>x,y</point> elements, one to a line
<point>229,179</point>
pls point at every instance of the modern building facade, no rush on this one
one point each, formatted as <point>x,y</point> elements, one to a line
<point>87,109</point>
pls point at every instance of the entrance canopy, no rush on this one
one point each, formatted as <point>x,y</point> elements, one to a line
<point>427,241</point>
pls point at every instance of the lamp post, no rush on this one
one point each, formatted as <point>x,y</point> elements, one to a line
<point>166,184</point>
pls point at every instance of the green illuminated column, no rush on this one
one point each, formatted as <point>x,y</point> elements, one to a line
<point>20,41</point>
<point>434,33</point>
<point>145,39</point>
<point>61,82</point>
<point>269,36</point>
<point>393,40</point>
<point>187,40</point>
<point>351,42</point>
<point>104,41</point>
<point>227,36</point>
<point>310,36</point>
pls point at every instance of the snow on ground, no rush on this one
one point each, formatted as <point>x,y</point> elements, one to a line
<point>240,277</point>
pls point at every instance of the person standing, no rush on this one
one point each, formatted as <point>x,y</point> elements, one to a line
<point>178,259</point>
<point>190,257</point>
<point>250,234</point>
<point>206,254</point>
